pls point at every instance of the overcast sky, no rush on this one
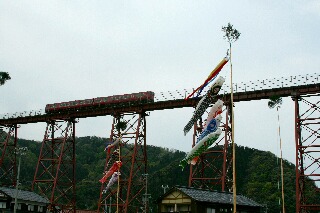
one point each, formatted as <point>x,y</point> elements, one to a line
<point>66,50</point>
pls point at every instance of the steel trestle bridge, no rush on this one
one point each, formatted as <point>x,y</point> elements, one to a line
<point>244,91</point>
<point>55,172</point>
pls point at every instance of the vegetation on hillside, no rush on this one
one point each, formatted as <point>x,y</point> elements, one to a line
<point>258,173</point>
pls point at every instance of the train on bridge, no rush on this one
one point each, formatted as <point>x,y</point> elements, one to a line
<point>102,102</point>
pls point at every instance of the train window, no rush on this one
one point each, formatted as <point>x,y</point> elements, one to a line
<point>125,97</point>
<point>116,99</point>
<point>83,102</point>
<point>135,96</point>
<point>71,103</point>
<point>128,97</point>
<point>48,107</point>
<point>151,95</point>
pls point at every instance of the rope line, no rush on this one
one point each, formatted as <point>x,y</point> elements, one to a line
<point>281,163</point>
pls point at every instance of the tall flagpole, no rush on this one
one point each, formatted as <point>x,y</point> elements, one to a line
<point>232,35</point>
<point>234,186</point>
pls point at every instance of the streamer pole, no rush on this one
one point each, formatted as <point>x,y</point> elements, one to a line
<point>118,190</point>
<point>232,35</point>
<point>281,164</point>
<point>232,140</point>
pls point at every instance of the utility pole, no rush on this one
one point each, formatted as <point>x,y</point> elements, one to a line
<point>20,151</point>
<point>164,188</point>
<point>146,195</point>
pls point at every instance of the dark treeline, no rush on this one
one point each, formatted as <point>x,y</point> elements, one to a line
<point>258,173</point>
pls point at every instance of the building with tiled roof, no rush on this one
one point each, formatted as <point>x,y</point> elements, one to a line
<point>27,201</point>
<point>192,200</point>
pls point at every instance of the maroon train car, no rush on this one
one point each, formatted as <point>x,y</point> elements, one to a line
<point>109,101</point>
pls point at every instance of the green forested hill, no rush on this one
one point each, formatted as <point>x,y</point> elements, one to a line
<point>258,172</point>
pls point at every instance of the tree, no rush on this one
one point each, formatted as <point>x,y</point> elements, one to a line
<point>121,125</point>
<point>274,101</point>
<point>4,76</point>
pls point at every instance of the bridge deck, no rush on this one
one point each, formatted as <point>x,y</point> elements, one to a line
<point>40,116</point>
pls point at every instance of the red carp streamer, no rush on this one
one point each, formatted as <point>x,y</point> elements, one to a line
<point>116,166</point>
<point>212,75</point>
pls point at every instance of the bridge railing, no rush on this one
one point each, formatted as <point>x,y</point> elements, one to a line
<point>237,87</point>
<point>246,86</point>
<point>22,114</point>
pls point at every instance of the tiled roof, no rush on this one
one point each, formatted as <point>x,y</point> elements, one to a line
<point>24,195</point>
<point>215,196</point>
